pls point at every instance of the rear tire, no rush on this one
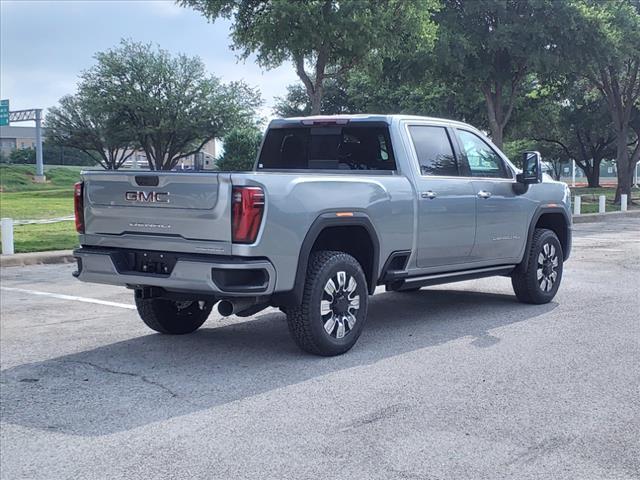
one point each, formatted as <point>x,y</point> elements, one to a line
<point>334,305</point>
<point>173,317</point>
<point>537,279</point>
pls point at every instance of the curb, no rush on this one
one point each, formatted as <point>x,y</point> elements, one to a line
<point>36,258</point>
<point>603,217</point>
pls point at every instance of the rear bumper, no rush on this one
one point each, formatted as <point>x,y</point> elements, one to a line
<point>208,274</point>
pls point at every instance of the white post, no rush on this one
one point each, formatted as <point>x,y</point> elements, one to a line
<point>576,205</point>
<point>602,204</point>
<point>635,180</point>
<point>7,236</point>
<point>573,173</point>
<point>623,202</point>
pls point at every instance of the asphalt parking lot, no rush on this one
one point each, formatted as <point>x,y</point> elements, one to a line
<point>458,381</point>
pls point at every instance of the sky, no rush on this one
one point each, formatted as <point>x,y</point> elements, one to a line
<point>45,45</point>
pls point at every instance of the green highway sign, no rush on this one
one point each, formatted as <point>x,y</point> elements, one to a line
<point>4,112</point>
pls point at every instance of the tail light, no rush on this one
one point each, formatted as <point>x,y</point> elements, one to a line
<point>246,216</point>
<point>78,206</point>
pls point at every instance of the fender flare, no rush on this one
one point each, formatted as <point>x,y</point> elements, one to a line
<point>326,220</point>
<point>540,211</point>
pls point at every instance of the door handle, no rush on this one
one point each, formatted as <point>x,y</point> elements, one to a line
<point>484,194</point>
<point>429,194</point>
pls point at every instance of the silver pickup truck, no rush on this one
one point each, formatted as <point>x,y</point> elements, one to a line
<point>334,207</point>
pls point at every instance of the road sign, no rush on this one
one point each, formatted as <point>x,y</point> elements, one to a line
<point>4,112</point>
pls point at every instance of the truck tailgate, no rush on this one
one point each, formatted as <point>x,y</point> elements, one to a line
<point>194,206</point>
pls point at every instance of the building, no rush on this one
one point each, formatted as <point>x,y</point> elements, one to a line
<point>203,161</point>
<point>13,138</point>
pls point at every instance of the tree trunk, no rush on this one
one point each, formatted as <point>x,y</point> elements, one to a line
<point>623,162</point>
<point>593,179</point>
<point>316,101</point>
<point>497,134</point>
<point>593,175</point>
<point>493,111</point>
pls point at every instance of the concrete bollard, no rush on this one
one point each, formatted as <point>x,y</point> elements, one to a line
<point>602,204</point>
<point>623,202</point>
<point>577,201</point>
<point>7,236</point>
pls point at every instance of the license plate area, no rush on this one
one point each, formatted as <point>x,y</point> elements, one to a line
<point>145,262</point>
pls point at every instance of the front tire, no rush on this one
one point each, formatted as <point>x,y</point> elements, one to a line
<point>334,305</point>
<point>537,279</point>
<point>173,317</point>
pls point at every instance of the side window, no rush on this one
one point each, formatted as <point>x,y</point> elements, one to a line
<point>482,160</point>
<point>434,150</point>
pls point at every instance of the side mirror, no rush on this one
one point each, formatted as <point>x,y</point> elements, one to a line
<point>531,168</point>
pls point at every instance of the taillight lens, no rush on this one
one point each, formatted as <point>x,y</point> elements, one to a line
<point>247,209</point>
<point>78,206</point>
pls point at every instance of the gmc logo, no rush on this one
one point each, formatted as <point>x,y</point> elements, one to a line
<point>147,197</point>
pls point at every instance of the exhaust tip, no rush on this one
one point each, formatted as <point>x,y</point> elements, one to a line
<point>225,308</point>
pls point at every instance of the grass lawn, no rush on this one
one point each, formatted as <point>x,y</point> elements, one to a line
<point>23,199</point>
<point>37,204</point>
<point>589,198</point>
<point>19,178</point>
<point>43,237</point>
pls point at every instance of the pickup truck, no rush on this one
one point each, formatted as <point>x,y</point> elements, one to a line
<point>334,207</point>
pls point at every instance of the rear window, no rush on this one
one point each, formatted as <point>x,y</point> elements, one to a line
<point>327,148</point>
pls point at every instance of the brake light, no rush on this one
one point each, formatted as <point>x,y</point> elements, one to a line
<point>78,206</point>
<point>247,205</point>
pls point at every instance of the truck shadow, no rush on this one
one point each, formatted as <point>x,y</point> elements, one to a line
<point>152,378</point>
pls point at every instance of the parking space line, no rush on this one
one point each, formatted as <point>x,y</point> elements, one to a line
<point>69,297</point>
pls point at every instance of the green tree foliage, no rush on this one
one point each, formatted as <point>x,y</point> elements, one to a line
<point>240,149</point>
<point>51,155</point>
<point>85,123</point>
<point>296,102</point>
<point>169,105</point>
<point>569,120</point>
<point>491,46</point>
<point>324,39</point>
<point>612,65</point>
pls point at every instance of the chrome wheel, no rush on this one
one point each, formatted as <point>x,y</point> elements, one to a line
<point>547,271</point>
<point>339,305</point>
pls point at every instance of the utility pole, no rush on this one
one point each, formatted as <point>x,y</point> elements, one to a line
<point>40,178</point>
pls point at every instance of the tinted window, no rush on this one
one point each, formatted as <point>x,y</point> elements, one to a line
<point>327,148</point>
<point>482,160</point>
<point>434,150</point>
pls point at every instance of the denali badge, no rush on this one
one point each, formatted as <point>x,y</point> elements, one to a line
<point>149,225</point>
<point>147,197</point>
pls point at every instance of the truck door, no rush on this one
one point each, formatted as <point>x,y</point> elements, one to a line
<point>446,200</point>
<point>502,215</point>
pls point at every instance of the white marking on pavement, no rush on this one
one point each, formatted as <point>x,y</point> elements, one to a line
<point>69,297</point>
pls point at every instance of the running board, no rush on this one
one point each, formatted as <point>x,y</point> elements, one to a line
<point>449,277</point>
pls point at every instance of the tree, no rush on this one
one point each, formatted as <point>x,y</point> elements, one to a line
<point>83,122</point>
<point>22,155</point>
<point>570,119</point>
<point>170,106</point>
<point>492,46</point>
<point>241,147</point>
<point>324,39</point>
<point>296,102</point>
<point>613,67</point>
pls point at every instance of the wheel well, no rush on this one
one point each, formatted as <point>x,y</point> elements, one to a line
<point>354,240</point>
<point>557,223</point>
